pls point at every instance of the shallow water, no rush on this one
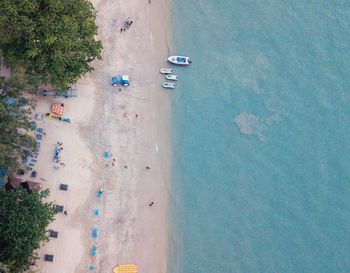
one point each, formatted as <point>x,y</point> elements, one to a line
<point>261,137</point>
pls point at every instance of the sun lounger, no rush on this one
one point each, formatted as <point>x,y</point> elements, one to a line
<point>38,116</point>
<point>48,258</point>
<point>63,187</point>
<point>53,234</point>
<point>33,174</point>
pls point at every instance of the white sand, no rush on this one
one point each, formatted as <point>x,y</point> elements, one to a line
<point>105,120</point>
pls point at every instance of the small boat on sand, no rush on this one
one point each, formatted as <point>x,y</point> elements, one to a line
<point>169,85</point>
<point>166,70</point>
<point>180,60</point>
<point>171,77</point>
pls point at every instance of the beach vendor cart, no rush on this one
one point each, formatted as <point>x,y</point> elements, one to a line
<point>121,80</point>
<point>125,268</point>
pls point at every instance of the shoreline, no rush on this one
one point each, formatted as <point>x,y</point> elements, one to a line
<point>129,230</point>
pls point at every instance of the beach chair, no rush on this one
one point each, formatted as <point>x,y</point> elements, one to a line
<point>48,258</point>
<point>53,234</point>
<point>38,116</point>
<point>20,172</point>
<point>63,187</point>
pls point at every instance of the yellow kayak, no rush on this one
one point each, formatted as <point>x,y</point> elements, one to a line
<point>125,268</point>
<point>58,118</point>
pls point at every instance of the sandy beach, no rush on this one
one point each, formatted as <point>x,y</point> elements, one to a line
<point>133,127</point>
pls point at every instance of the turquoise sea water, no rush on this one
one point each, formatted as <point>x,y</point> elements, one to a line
<point>261,138</point>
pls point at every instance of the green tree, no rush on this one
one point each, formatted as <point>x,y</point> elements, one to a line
<point>15,124</point>
<point>52,38</point>
<point>23,227</point>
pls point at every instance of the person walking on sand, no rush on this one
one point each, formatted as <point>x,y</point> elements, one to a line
<point>149,1</point>
<point>151,204</point>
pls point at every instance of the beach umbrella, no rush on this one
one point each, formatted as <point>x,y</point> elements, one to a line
<point>95,233</point>
<point>93,251</point>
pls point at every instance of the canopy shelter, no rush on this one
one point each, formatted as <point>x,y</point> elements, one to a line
<point>63,187</point>
<point>57,108</point>
<point>48,258</point>
<point>59,208</point>
<point>125,268</point>
<point>53,234</point>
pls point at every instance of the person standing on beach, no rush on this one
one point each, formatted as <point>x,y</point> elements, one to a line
<point>149,1</point>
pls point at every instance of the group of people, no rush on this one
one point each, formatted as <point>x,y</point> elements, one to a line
<point>58,150</point>
<point>126,24</point>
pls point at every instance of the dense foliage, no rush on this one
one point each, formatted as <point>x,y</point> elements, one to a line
<point>15,123</point>
<point>52,38</point>
<point>23,222</point>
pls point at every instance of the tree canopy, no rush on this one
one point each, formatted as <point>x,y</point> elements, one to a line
<point>23,222</point>
<point>52,38</point>
<point>15,124</point>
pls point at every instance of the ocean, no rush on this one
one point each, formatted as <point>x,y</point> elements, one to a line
<point>261,137</point>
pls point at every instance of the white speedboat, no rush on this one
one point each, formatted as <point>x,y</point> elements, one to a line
<point>180,60</point>
<point>171,77</point>
<point>169,85</point>
<point>165,70</point>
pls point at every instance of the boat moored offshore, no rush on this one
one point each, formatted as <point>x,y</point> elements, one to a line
<point>171,77</point>
<point>169,85</point>
<point>180,60</point>
<point>165,70</point>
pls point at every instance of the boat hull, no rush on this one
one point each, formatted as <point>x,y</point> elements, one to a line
<point>168,85</point>
<point>171,77</point>
<point>165,70</point>
<point>179,60</point>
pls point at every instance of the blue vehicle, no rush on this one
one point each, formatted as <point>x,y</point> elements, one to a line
<point>120,80</point>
